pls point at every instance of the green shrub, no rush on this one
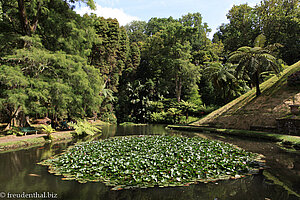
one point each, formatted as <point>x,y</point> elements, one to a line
<point>196,99</point>
<point>14,131</point>
<point>158,117</point>
<point>174,115</point>
<point>204,110</point>
<point>156,106</point>
<point>48,130</point>
<point>109,117</point>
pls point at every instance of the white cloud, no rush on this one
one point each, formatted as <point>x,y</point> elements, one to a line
<point>106,12</point>
<point>109,2</point>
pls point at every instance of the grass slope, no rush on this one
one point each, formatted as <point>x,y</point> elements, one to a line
<point>249,110</point>
<point>289,140</point>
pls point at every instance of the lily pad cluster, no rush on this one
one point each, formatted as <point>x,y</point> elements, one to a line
<point>147,161</point>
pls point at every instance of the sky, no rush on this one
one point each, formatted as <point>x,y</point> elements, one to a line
<point>213,11</point>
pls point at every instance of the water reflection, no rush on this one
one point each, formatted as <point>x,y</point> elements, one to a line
<point>20,173</point>
<point>117,130</point>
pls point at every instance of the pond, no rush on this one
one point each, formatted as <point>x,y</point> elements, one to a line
<point>281,180</point>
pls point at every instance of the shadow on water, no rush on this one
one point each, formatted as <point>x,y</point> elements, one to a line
<point>20,173</point>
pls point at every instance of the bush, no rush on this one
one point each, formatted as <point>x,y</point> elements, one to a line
<point>169,111</point>
<point>205,110</point>
<point>14,131</point>
<point>109,117</point>
<point>158,117</point>
<point>196,99</point>
<point>48,130</point>
<point>156,106</point>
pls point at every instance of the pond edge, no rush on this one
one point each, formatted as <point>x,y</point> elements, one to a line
<point>285,140</point>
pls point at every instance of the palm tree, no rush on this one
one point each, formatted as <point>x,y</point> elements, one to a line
<point>222,77</point>
<point>252,61</point>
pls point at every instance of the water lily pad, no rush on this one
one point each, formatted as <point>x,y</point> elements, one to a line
<point>148,161</point>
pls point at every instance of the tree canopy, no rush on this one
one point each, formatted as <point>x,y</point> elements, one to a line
<point>56,63</point>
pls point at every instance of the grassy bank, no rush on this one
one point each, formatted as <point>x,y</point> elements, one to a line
<point>249,110</point>
<point>19,143</point>
<point>13,145</point>
<point>293,141</point>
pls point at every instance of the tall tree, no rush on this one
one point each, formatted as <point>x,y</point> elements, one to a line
<point>41,83</point>
<point>241,30</point>
<point>110,54</point>
<point>25,15</point>
<point>136,31</point>
<point>155,25</point>
<point>167,60</point>
<point>279,22</point>
<point>199,39</point>
<point>128,80</point>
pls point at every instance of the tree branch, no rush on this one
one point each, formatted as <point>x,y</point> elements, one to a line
<point>36,19</point>
<point>23,17</point>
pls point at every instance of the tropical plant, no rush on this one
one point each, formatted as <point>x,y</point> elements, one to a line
<point>48,130</point>
<point>83,128</point>
<point>223,79</point>
<point>255,60</point>
<point>158,117</point>
<point>14,131</point>
<point>186,108</point>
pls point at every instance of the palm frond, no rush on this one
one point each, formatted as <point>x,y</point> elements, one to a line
<point>260,40</point>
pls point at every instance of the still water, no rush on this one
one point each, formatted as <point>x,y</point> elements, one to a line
<point>281,180</point>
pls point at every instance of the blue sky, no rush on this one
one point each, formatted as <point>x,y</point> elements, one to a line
<point>213,11</point>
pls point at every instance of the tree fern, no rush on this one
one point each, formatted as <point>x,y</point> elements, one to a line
<point>83,127</point>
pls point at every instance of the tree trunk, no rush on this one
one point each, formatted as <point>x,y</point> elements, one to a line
<point>95,115</point>
<point>258,92</point>
<point>23,17</point>
<point>23,120</point>
<point>28,29</point>
<point>28,121</point>
<point>178,85</point>
<point>12,118</point>
<point>36,18</point>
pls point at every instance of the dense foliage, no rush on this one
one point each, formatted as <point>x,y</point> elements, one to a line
<point>294,79</point>
<point>59,64</point>
<point>148,161</point>
<point>278,20</point>
<point>84,128</point>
